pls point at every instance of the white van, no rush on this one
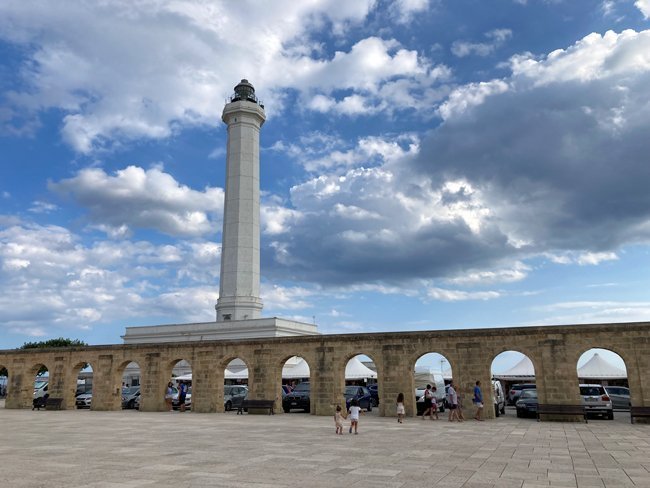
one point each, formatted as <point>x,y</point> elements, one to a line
<point>425,376</point>
<point>40,389</point>
<point>499,398</point>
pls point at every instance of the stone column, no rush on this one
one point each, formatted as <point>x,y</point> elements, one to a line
<point>207,383</point>
<point>107,394</point>
<point>152,384</point>
<point>396,377</point>
<point>557,377</point>
<point>325,382</point>
<point>473,364</point>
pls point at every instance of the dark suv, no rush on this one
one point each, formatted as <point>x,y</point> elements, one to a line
<point>297,399</point>
<point>515,391</point>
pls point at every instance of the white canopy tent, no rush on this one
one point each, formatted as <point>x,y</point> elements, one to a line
<point>356,370</point>
<point>300,370</point>
<point>522,371</point>
<point>597,368</point>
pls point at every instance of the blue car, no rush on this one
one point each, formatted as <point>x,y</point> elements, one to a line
<point>361,394</point>
<point>374,393</point>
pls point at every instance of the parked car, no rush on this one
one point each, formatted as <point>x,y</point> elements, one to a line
<point>499,398</point>
<point>527,403</point>
<point>515,391</point>
<point>84,400</point>
<point>374,392</point>
<point>129,396</point>
<point>298,398</point>
<point>188,399</point>
<point>233,396</point>
<point>359,393</point>
<point>136,404</point>
<point>596,401</point>
<point>620,396</point>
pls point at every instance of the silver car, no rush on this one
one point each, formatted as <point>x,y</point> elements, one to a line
<point>596,401</point>
<point>620,396</point>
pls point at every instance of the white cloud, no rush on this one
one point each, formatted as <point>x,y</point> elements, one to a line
<point>407,10</point>
<point>444,295</point>
<point>41,207</point>
<point>121,71</point>
<point>467,96</point>
<point>497,38</point>
<point>516,273</point>
<point>138,198</point>
<point>82,286</point>
<point>644,7</point>
<point>593,312</point>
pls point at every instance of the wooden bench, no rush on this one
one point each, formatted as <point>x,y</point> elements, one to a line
<point>263,404</point>
<point>639,412</point>
<point>548,408</point>
<point>53,403</point>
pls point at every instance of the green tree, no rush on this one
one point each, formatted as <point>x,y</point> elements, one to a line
<point>60,342</point>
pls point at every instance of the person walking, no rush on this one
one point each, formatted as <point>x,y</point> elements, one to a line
<point>428,400</point>
<point>452,399</point>
<point>400,407</point>
<point>354,412</point>
<point>478,401</point>
<point>169,395</point>
<point>339,416</point>
<point>182,394</point>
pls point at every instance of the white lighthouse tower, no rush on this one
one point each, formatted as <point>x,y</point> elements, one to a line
<point>239,305</point>
<point>239,285</point>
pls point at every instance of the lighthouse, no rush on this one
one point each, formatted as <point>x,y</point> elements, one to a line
<point>239,284</point>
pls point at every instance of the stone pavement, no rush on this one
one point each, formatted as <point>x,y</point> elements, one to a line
<point>135,449</point>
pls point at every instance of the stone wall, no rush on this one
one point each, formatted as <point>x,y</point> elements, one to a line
<point>554,351</point>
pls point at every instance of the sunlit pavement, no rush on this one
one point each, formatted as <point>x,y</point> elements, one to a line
<point>137,449</point>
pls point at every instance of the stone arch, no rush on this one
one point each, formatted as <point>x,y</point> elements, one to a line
<point>171,369</point>
<point>434,369</point>
<point>278,379</point>
<point>27,387</point>
<point>341,381</point>
<point>612,385</point>
<point>241,380</point>
<point>70,390</point>
<point>508,378</point>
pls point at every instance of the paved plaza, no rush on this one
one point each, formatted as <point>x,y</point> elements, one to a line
<point>137,449</point>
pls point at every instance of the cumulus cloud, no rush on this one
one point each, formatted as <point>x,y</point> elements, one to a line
<point>83,285</point>
<point>550,160</point>
<point>644,7</point>
<point>137,198</point>
<point>120,71</point>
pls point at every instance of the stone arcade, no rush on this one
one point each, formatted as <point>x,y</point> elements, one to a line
<point>554,350</point>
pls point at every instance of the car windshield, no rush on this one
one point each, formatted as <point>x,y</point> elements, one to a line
<point>591,390</point>
<point>528,394</point>
<point>39,384</point>
<point>301,387</point>
<point>351,390</point>
<point>130,391</point>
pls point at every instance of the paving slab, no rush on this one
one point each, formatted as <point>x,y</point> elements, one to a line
<point>70,449</point>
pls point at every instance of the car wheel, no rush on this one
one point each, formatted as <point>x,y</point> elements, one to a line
<point>286,410</point>
<point>369,406</point>
<point>496,410</point>
<point>228,406</point>
<point>610,415</point>
<point>503,409</point>
<point>519,414</point>
<point>131,404</point>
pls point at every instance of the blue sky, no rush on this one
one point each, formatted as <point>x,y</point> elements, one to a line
<point>424,164</point>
